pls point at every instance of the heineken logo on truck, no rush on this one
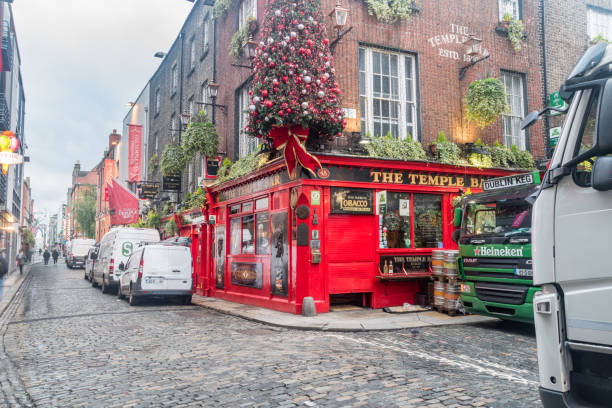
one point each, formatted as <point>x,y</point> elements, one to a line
<point>498,251</point>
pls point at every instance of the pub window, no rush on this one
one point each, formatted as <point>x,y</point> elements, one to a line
<point>235,209</point>
<point>235,235</point>
<point>409,220</point>
<point>387,93</point>
<point>511,121</point>
<point>246,207</point>
<point>427,221</point>
<point>248,234</point>
<point>261,203</point>
<point>396,221</point>
<point>511,8</point>
<point>263,233</point>
<point>599,23</point>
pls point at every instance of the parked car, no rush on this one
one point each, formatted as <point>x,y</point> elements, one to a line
<point>115,247</point>
<point>90,261</point>
<point>79,247</point>
<point>157,270</point>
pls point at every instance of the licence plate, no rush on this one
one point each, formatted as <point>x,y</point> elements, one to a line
<point>465,288</point>
<point>523,272</point>
<point>153,280</point>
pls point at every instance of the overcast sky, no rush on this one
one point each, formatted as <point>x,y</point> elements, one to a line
<point>81,62</point>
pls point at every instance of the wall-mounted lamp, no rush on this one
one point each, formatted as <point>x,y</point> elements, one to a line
<point>249,51</point>
<point>185,119</point>
<point>212,89</point>
<point>473,49</point>
<point>339,15</point>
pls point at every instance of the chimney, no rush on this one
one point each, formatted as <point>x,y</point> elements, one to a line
<point>113,139</point>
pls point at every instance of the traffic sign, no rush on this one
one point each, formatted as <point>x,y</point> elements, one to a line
<point>557,102</point>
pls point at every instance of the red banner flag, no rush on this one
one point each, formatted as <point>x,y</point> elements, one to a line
<point>123,205</point>
<point>134,152</point>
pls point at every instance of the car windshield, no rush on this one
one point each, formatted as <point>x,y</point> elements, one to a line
<point>497,219</point>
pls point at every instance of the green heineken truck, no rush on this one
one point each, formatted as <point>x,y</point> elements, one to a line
<point>494,239</point>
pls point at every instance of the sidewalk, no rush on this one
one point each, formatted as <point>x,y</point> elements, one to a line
<point>346,319</point>
<point>11,284</point>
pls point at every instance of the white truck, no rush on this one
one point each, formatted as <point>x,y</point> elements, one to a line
<point>572,244</point>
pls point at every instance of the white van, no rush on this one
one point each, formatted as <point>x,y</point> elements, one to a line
<point>157,270</point>
<point>115,247</point>
<point>79,247</point>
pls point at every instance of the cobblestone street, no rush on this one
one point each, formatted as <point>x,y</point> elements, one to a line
<point>67,344</point>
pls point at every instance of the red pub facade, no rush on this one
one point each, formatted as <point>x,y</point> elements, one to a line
<point>363,227</point>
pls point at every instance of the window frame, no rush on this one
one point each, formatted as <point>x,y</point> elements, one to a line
<point>192,54</point>
<point>174,78</point>
<point>578,140</point>
<point>252,212</point>
<point>157,101</point>
<point>519,9</point>
<point>245,144</point>
<point>241,17</point>
<point>524,134</point>
<point>366,95</point>
<point>412,193</point>
<point>602,13</point>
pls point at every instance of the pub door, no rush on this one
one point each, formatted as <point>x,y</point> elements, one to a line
<point>351,257</point>
<point>195,256</point>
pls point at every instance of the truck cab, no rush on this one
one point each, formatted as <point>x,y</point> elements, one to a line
<point>572,220</point>
<point>495,248</point>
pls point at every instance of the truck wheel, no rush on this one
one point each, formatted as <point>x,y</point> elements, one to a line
<point>93,283</point>
<point>119,294</point>
<point>187,299</point>
<point>104,287</point>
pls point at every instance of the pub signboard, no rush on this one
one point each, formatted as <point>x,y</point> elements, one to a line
<point>352,201</point>
<point>148,190</point>
<point>171,183</point>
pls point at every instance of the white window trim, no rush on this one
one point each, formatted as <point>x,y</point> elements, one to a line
<point>242,18</point>
<point>523,139</point>
<point>245,143</point>
<point>502,10</point>
<point>157,100</point>
<point>402,92</point>
<point>192,53</point>
<point>205,29</point>
<point>174,78</point>
<point>596,14</point>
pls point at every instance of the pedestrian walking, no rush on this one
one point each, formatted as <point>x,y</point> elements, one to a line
<point>46,256</point>
<point>21,260</point>
<point>55,255</point>
<point>39,251</point>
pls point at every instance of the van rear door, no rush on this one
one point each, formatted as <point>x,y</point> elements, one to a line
<point>582,245</point>
<point>167,268</point>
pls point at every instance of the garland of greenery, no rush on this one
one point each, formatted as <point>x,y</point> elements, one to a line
<point>241,167</point>
<point>485,100</point>
<point>522,158</point>
<point>195,200</point>
<point>387,146</point>
<point>447,152</point>
<point>240,38</point>
<point>200,138</point>
<point>516,33</point>
<point>153,219</point>
<point>171,228</point>
<point>221,7</point>
<point>172,160</point>
<point>390,11</point>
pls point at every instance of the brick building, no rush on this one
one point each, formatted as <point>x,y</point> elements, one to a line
<point>428,53</point>
<point>107,170</point>
<point>568,31</point>
<point>176,88</point>
<point>81,181</point>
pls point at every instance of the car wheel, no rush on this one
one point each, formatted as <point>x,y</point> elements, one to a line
<point>104,287</point>
<point>132,299</point>
<point>93,282</point>
<point>85,275</point>
<point>187,299</point>
<point>119,294</point>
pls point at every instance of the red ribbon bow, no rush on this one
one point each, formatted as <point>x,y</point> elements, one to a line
<point>293,142</point>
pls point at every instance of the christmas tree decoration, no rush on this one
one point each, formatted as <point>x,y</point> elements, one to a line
<point>295,96</point>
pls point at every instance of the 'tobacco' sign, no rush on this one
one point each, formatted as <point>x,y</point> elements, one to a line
<point>511,181</point>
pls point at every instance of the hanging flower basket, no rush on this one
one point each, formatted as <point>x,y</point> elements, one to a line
<point>485,101</point>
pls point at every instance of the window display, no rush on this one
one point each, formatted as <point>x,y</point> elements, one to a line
<point>248,234</point>
<point>235,236</point>
<point>427,210</point>
<point>263,233</point>
<point>394,221</point>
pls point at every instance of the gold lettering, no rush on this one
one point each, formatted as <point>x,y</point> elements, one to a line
<point>460,182</point>
<point>443,180</point>
<point>413,178</point>
<point>387,177</point>
<point>473,182</point>
<point>376,175</point>
<point>432,180</point>
<point>423,179</point>
<point>452,182</point>
<point>399,178</point>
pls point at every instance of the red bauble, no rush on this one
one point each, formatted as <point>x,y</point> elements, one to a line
<point>281,113</point>
<point>326,41</point>
<point>285,79</point>
<point>272,64</point>
<point>309,42</point>
<point>264,93</point>
<point>288,111</point>
<point>268,103</point>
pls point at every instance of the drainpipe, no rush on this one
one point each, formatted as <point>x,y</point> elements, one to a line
<point>180,129</point>
<point>545,80</point>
